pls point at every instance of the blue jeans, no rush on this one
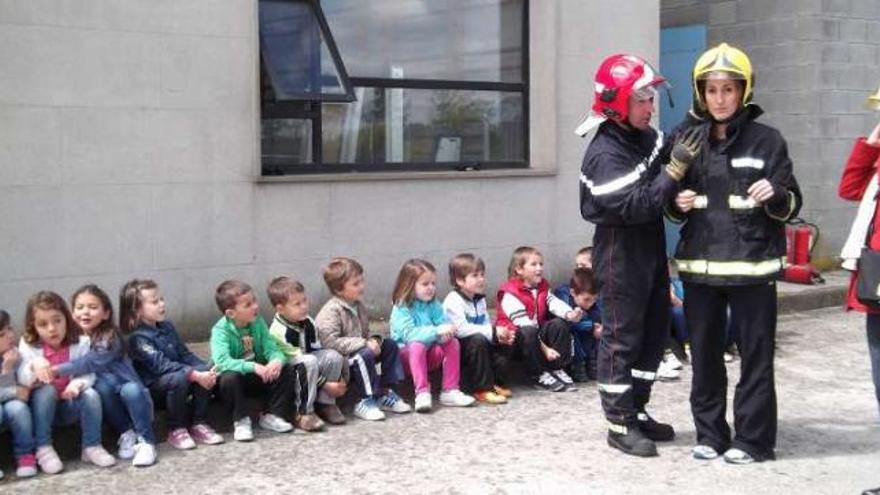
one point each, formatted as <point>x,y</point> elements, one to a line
<point>49,410</point>
<point>127,406</point>
<point>17,415</point>
<point>679,325</point>
<point>873,329</point>
<point>583,345</point>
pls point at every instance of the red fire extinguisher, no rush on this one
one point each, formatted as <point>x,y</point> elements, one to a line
<point>801,237</point>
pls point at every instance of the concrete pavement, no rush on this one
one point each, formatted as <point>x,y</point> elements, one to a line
<point>829,442</point>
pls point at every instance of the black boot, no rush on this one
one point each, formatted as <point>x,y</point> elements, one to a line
<point>630,440</point>
<point>658,432</point>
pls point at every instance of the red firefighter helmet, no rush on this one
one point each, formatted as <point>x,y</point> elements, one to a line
<point>617,78</point>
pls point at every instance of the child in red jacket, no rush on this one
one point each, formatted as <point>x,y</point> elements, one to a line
<point>529,321</point>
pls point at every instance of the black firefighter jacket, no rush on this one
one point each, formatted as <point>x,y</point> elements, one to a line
<point>728,239</point>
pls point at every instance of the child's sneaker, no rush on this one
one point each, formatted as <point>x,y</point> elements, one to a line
<point>392,402</point>
<point>665,372</point>
<point>308,422</point>
<point>549,382</point>
<point>566,380</point>
<point>423,402</point>
<point>368,410</point>
<point>242,430</point>
<point>144,454</point>
<point>26,466</point>
<point>98,456</point>
<point>205,435</point>
<point>503,391</point>
<point>126,444</point>
<point>271,422</point>
<point>455,398</point>
<point>48,460</point>
<point>330,413</point>
<point>179,439</point>
<point>490,397</point>
<point>672,361</point>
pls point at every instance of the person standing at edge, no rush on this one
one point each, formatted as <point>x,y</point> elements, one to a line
<point>624,189</point>
<point>735,199</point>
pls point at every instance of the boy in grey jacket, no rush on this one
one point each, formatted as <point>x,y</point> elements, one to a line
<point>343,325</point>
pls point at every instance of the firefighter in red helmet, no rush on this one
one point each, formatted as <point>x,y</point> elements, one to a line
<point>628,175</point>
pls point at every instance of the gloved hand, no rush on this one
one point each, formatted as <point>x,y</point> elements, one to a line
<point>686,149</point>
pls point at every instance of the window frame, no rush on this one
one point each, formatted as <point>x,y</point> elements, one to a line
<point>312,110</point>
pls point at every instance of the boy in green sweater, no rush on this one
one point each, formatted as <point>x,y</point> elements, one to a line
<point>249,362</point>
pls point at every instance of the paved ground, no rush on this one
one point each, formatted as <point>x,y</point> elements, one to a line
<point>829,442</point>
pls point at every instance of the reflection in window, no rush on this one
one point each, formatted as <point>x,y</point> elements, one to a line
<point>285,142</point>
<point>467,40</point>
<point>424,126</point>
<point>295,54</point>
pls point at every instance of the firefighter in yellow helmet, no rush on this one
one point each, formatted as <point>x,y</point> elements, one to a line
<point>734,202</point>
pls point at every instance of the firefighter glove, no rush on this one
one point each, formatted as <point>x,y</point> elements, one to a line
<point>685,150</point>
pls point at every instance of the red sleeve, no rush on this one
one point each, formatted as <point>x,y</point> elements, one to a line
<point>858,171</point>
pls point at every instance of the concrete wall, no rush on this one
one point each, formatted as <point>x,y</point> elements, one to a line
<point>129,143</point>
<point>815,61</point>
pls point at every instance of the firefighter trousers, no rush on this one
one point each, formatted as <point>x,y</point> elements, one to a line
<point>753,311</point>
<point>635,320</point>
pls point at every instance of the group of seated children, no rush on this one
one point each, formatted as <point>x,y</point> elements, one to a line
<point>77,365</point>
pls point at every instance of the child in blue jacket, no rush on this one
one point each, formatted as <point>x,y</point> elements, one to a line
<point>581,292</point>
<point>420,327</point>
<point>168,368</point>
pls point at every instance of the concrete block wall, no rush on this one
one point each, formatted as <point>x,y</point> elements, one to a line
<point>815,61</point>
<point>129,145</point>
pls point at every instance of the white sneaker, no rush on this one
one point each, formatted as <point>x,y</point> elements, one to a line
<point>271,422</point>
<point>242,430</point>
<point>704,453</point>
<point>126,444</point>
<point>737,456</point>
<point>665,372</point>
<point>455,398</point>
<point>394,403</point>
<point>48,460</point>
<point>563,377</point>
<point>368,410</point>
<point>98,456</point>
<point>423,402</point>
<point>672,361</point>
<point>144,455</point>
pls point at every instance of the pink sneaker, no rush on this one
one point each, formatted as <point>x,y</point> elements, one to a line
<point>26,466</point>
<point>179,439</point>
<point>204,434</point>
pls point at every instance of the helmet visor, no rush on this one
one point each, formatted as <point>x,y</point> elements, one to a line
<point>646,93</point>
<point>721,74</point>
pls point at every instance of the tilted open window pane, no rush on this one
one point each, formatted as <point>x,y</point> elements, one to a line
<point>297,53</point>
<point>464,40</point>
<point>395,125</point>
